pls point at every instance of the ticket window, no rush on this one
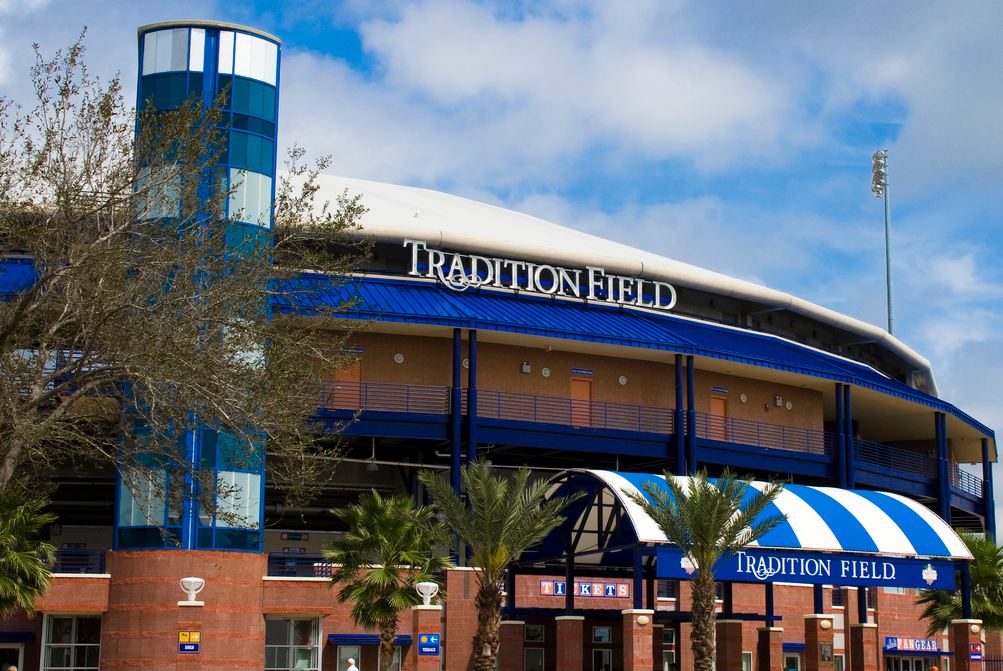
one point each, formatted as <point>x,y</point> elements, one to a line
<point>792,662</point>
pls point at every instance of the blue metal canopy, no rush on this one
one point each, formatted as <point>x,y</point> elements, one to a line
<point>425,302</point>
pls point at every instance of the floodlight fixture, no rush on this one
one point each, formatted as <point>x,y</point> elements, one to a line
<point>191,585</point>
<point>427,591</point>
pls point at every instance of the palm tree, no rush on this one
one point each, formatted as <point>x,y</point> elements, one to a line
<point>708,520</point>
<point>24,562</point>
<point>389,547</point>
<point>986,571</point>
<point>501,518</point>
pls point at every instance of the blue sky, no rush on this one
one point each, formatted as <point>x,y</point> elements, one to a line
<point>735,136</point>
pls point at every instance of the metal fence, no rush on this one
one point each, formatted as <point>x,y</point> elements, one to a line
<point>82,560</point>
<point>306,565</point>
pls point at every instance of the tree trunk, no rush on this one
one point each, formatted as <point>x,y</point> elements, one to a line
<point>488,604</point>
<point>702,610</point>
<point>388,636</point>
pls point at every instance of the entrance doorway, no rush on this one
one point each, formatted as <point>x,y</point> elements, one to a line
<point>602,660</point>
<point>581,402</point>
<point>347,387</point>
<point>792,662</point>
<point>11,653</point>
<point>718,429</point>
<point>900,663</point>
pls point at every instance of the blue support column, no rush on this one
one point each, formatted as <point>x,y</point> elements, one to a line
<point>189,503</point>
<point>569,575</point>
<point>691,419</point>
<point>988,496</point>
<point>472,397</point>
<point>770,611</point>
<point>818,604</point>
<point>638,577</point>
<point>966,591</point>
<point>862,605</point>
<point>943,467</point>
<point>728,607</point>
<point>456,411</point>
<point>851,449</point>
<point>679,420</point>
<point>840,457</point>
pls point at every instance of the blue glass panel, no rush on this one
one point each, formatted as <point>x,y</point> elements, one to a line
<point>166,91</point>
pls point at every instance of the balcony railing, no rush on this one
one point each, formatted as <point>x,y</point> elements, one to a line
<point>770,436</point>
<point>510,406</point>
<point>79,561</point>
<point>965,481</point>
<point>298,565</point>
<point>894,458</point>
<point>385,397</point>
<point>572,412</point>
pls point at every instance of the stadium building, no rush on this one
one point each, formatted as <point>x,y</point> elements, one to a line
<point>492,335</point>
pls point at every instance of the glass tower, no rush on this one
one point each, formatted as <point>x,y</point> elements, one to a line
<point>205,59</point>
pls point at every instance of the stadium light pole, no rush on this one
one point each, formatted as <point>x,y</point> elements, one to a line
<point>879,187</point>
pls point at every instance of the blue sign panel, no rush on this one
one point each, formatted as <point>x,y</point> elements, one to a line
<point>188,648</point>
<point>815,568</point>
<point>904,644</point>
<point>428,645</point>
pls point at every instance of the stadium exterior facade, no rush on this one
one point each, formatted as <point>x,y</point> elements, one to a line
<point>489,334</point>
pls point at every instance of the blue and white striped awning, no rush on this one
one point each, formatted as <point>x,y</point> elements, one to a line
<point>819,519</point>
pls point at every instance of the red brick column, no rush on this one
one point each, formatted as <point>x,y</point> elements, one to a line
<point>770,648</point>
<point>140,628</point>
<point>637,639</point>
<point>818,635</point>
<point>461,618</point>
<point>729,645</point>
<point>570,643</point>
<point>425,620</point>
<point>864,647</point>
<point>963,639</point>
<point>512,636</point>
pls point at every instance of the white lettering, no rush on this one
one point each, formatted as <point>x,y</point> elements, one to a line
<point>463,271</point>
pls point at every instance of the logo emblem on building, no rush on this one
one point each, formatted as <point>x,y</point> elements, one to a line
<point>930,574</point>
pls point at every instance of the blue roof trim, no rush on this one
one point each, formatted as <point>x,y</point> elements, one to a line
<point>793,647</point>
<point>365,639</point>
<point>420,302</point>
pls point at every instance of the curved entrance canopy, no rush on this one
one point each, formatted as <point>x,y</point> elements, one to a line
<point>830,535</point>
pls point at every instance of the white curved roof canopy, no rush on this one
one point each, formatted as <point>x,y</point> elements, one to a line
<point>819,519</point>
<point>447,221</point>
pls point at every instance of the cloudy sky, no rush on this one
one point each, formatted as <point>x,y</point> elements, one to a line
<point>735,136</point>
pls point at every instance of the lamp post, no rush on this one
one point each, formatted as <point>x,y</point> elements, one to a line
<point>879,187</point>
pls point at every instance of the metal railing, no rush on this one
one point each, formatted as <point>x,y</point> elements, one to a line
<point>572,412</point>
<point>894,458</point>
<point>81,560</point>
<point>385,397</point>
<point>306,565</point>
<point>760,434</point>
<point>965,481</point>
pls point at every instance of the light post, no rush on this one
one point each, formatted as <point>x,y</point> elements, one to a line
<point>879,187</point>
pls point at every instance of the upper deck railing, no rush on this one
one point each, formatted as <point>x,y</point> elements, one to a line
<point>81,560</point>
<point>512,406</point>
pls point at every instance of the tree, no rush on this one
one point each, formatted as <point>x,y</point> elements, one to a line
<point>498,521</point>
<point>940,607</point>
<point>124,299</point>
<point>24,561</point>
<point>708,520</point>
<point>390,546</point>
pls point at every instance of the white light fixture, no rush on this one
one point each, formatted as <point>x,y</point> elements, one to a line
<point>525,367</point>
<point>744,398</point>
<point>623,379</point>
<point>825,624</point>
<point>399,358</point>
<point>427,591</point>
<point>975,628</point>
<point>191,586</point>
<point>545,372</point>
<point>643,620</point>
<point>778,401</point>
